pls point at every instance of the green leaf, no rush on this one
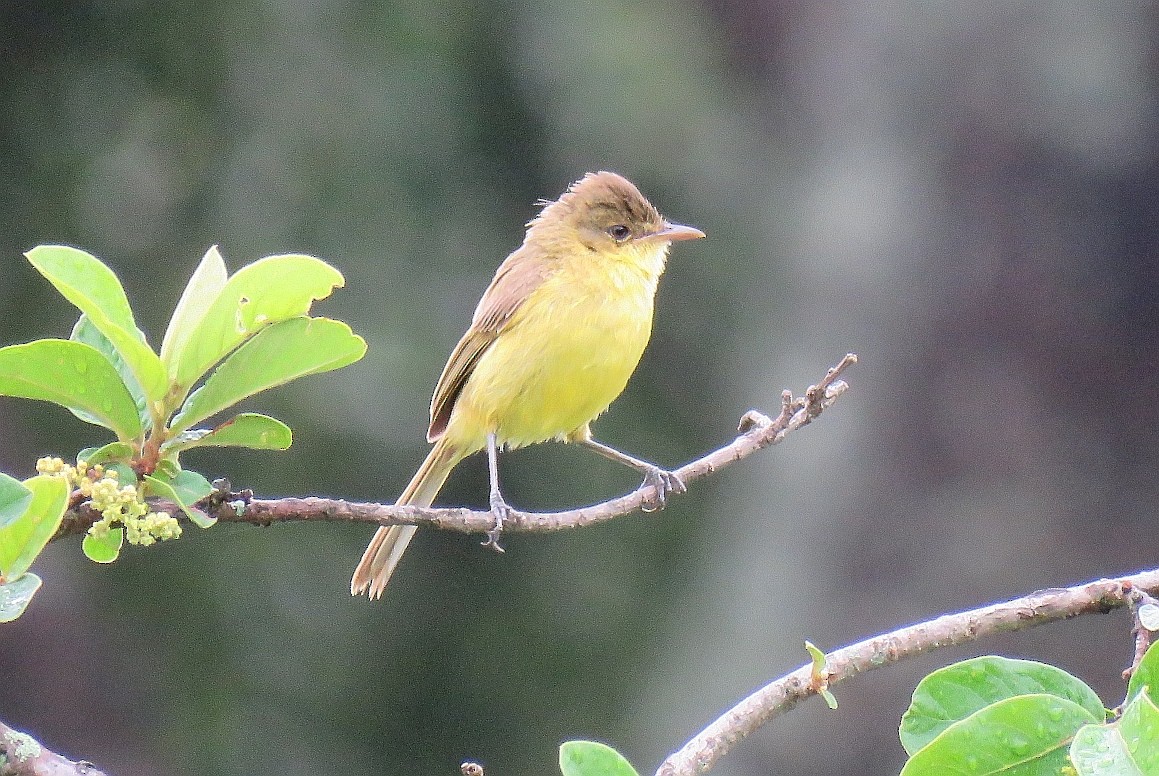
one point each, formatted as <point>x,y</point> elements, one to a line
<point>14,499</point>
<point>105,549</point>
<point>591,758</point>
<point>125,473</point>
<point>200,518</point>
<point>84,331</point>
<point>1146,675</point>
<point>167,469</point>
<point>276,355</point>
<point>23,538</point>
<point>16,595</point>
<point>270,290</point>
<point>185,490</point>
<point>248,429</point>
<point>1127,747</point>
<point>191,487</point>
<point>1027,735</point>
<point>955,692</point>
<point>1139,727</point>
<point>818,658</point>
<point>72,375</point>
<point>200,293</point>
<point>83,280</point>
<point>113,451</point>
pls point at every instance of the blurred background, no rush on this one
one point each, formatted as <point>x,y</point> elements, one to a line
<point>964,194</point>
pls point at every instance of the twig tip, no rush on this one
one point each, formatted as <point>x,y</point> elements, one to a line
<point>753,419</point>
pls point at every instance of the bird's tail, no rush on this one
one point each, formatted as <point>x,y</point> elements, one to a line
<point>389,542</point>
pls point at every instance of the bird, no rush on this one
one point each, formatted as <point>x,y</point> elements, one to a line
<point>552,343</point>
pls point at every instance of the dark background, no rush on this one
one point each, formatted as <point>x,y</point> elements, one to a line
<point>963,194</point>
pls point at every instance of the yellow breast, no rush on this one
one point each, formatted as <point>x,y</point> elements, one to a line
<point>564,357</point>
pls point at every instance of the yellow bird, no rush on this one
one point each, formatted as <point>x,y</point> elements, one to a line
<point>552,343</point>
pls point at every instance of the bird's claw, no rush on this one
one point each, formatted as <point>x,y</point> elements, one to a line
<point>502,512</point>
<point>663,482</point>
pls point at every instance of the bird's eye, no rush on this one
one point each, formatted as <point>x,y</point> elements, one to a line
<point>619,232</point>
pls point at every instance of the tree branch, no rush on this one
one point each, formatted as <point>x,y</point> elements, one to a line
<point>777,697</point>
<point>757,432</point>
<point>22,755</point>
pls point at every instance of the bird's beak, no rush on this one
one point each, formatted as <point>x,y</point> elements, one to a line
<point>673,232</point>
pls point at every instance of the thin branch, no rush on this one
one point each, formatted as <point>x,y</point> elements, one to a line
<point>777,697</point>
<point>757,432</point>
<point>23,755</point>
<point>1137,599</point>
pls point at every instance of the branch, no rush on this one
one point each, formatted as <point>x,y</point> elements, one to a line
<point>757,432</point>
<point>1137,600</point>
<point>22,755</point>
<point>777,697</point>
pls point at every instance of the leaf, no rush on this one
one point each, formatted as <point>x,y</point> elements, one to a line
<point>23,538</point>
<point>1127,747</point>
<point>106,548</point>
<point>1146,675</point>
<point>72,375</point>
<point>83,280</point>
<point>200,293</point>
<point>200,518</point>
<point>591,758</point>
<point>1026,735</point>
<point>191,487</point>
<point>276,355</point>
<point>113,451</point>
<point>167,469</point>
<point>185,490</point>
<point>955,692</point>
<point>818,675</point>
<point>270,290</point>
<point>84,331</point>
<point>125,473</point>
<point>14,499</point>
<point>247,429</point>
<point>1139,727</point>
<point>16,595</point>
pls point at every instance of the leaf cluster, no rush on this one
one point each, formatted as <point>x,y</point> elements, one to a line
<point>229,337</point>
<point>997,715</point>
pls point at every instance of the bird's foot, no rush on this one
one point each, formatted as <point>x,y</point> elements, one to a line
<point>502,511</point>
<point>663,482</point>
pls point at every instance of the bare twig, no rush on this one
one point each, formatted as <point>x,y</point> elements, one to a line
<point>757,431</point>
<point>777,697</point>
<point>22,755</point>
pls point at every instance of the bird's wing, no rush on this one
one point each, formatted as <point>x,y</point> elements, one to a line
<point>514,281</point>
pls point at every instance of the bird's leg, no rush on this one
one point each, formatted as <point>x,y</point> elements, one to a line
<point>499,507</point>
<point>662,480</point>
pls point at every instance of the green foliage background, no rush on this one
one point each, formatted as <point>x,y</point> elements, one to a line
<point>965,196</point>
